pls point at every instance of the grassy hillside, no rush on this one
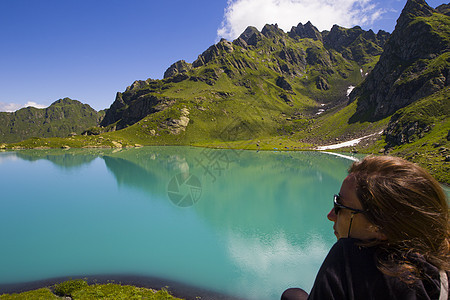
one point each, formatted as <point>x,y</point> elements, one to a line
<point>60,119</point>
<point>80,289</point>
<point>420,133</point>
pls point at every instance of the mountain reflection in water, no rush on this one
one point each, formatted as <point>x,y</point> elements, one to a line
<point>256,223</point>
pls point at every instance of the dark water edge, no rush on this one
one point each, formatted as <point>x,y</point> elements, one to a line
<point>176,289</point>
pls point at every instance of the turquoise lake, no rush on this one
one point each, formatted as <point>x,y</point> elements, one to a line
<point>243,223</point>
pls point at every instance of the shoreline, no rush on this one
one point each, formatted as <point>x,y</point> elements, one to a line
<point>176,289</point>
<point>333,148</point>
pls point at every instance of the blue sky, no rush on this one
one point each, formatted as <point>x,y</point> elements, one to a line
<point>90,49</point>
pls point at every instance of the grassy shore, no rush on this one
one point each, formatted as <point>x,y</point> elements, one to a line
<point>430,152</point>
<point>80,289</point>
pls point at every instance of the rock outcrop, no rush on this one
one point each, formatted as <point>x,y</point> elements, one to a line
<point>176,126</point>
<point>180,67</point>
<point>212,52</point>
<point>282,83</point>
<point>398,134</point>
<point>272,31</point>
<point>250,37</point>
<point>305,31</point>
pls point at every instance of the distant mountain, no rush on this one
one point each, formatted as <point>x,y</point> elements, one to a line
<point>61,118</point>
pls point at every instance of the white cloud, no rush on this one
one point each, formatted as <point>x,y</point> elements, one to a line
<point>34,104</point>
<point>287,13</point>
<point>8,156</point>
<point>263,257</point>
<point>11,107</point>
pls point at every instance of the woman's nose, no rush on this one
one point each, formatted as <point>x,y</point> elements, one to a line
<point>332,216</point>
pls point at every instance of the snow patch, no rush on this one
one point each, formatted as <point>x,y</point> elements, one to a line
<point>346,144</point>
<point>349,90</point>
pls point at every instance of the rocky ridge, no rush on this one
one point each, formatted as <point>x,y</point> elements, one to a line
<point>317,63</point>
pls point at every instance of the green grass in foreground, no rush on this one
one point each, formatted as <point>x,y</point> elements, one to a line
<point>80,289</point>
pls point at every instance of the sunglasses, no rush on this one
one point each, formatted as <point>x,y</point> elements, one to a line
<point>337,206</point>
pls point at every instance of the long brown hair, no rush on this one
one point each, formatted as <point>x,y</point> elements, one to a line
<point>410,208</point>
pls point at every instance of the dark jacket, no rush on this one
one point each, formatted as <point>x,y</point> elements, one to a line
<point>349,272</point>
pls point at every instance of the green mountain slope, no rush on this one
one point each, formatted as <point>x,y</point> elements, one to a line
<point>256,84</point>
<point>61,118</point>
<point>420,132</point>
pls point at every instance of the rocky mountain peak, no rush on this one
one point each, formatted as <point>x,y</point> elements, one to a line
<point>382,37</point>
<point>137,84</point>
<point>413,38</point>
<point>412,10</point>
<point>225,45</point>
<point>271,31</point>
<point>250,36</point>
<point>340,37</point>
<point>67,101</point>
<point>355,43</point>
<point>415,8</point>
<point>305,31</point>
<point>212,52</point>
<point>176,68</point>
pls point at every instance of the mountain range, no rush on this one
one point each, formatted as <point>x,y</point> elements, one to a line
<point>296,90</point>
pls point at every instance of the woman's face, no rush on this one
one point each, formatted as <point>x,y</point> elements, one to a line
<point>361,228</point>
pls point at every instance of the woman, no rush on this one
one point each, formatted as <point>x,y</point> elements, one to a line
<point>391,219</point>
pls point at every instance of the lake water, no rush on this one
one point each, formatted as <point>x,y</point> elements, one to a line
<point>243,223</point>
